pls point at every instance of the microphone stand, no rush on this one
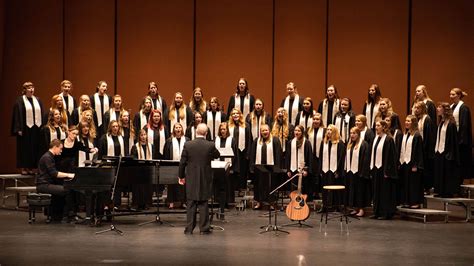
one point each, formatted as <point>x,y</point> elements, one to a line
<point>112,226</point>
<point>274,227</point>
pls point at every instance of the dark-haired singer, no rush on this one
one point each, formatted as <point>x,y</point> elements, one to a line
<point>49,179</point>
<point>195,165</point>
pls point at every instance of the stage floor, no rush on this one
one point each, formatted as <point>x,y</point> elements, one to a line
<point>370,242</point>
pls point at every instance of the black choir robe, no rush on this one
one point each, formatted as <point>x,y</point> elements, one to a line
<point>330,177</point>
<point>156,142</point>
<point>213,119</point>
<point>358,186</point>
<point>316,160</point>
<point>232,104</point>
<point>351,123</point>
<point>142,193</point>
<point>103,147</point>
<point>224,183</point>
<point>176,193</point>
<point>429,141</point>
<point>283,143</point>
<point>164,106</point>
<point>411,183</point>
<point>308,159</point>
<point>290,106</point>
<point>45,137</point>
<point>431,110</point>
<point>447,165</point>
<point>101,130</point>
<point>267,121</point>
<point>107,116</point>
<point>305,116</point>
<point>27,148</point>
<point>371,111</point>
<point>189,119</point>
<point>465,141</point>
<point>262,187</point>
<point>384,181</point>
<point>240,178</point>
<point>136,122</point>
<point>369,136</point>
<point>329,120</point>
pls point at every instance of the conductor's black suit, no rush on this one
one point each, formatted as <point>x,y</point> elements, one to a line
<point>195,166</point>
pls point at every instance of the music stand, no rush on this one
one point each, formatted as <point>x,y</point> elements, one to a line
<point>219,168</point>
<point>270,170</point>
<point>112,226</point>
<point>167,174</point>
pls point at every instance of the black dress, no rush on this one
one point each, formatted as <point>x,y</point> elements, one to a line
<point>447,179</point>
<point>465,140</point>
<point>429,139</point>
<point>411,183</point>
<point>27,148</point>
<point>384,179</point>
<point>358,192</point>
<point>262,186</point>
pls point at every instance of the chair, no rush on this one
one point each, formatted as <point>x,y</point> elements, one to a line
<point>338,210</point>
<point>38,200</point>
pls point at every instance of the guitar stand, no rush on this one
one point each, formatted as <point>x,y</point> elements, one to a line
<point>272,227</point>
<point>299,224</point>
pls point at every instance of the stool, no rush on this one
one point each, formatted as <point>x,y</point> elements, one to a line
<point>336,214</point>
<point>40,200</point>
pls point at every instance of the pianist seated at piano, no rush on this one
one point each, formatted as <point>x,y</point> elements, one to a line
<point>113,144</point>
<point>49,180</point>
<point>142,150</point>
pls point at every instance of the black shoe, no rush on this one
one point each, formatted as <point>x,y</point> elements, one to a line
<point>187,232</point>
<point>205,232</point>
<point>373,217</point>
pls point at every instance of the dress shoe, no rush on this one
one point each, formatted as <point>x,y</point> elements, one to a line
<point>205,232</point>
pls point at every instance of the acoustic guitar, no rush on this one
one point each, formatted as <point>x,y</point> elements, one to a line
<point>297,209</point>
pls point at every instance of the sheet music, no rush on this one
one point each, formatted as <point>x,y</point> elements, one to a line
<point>220,164</point>
<point>226,152</point>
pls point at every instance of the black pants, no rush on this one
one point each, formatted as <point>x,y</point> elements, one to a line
<point>191,213</point>
<point>62,200</point>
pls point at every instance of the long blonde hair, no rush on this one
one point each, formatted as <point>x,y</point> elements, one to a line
<point>181,111</point>
<point>335,137</point>
<point>201,106</point>
<point>253,117</point>
<point>357,131</point>
<point>92,127</point>
<point>50,123</point>
<point>425,93</point>
<point>54,105</point>
<point>311,129</point>
<point>276,128</point>
<point>241,118</point>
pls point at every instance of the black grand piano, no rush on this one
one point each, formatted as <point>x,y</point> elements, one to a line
<point>101,175</point>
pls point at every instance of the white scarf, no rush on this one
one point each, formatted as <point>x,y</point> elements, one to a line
<point>456,113</point>
<point>29,112</point>
<point>181,121</point>
<point>241,139</point>
<point>212,124</point>
<point>256,123</point>
<point>112,115</point>
<point>379,151</point>
<point>70,103</point>
<point>300,163</point>
<point>98,109</point>
<point>149,153</point>
<point>111,148</point>
<point>405,152</point>
<point>306,123</point>
<point>228,144</point>
<point>362,133</point>
<point>79,113</point>
<point>294,107</point>
<point>319,137</point>
<point>193,133</point>
<point>246,103</point>
<point>53,135</point>
<point>177,148</point>
<point>371,116</point>
<point>335,107</point>
<point>342,124</point>
<point>258,157</point>
<point>159,105</point>
<point>326,164</point>
<point>421,124</point>
<point>82,154</point>
<point>441,138</point>
<point>143,120</point>
<point>353,165</point>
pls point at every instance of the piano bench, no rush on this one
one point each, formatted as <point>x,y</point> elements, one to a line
<point>38,201</point>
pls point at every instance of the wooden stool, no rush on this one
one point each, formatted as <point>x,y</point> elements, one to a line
<point>336,214</point>
<point>38,200</point>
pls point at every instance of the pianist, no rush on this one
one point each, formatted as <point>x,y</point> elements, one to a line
<point>50,180</point>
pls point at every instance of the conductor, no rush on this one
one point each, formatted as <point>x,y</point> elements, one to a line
<point>196,173</point>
